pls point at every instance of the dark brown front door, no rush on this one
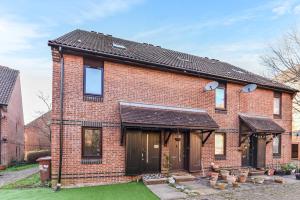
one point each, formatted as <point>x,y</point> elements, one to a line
<point>142,152</point>
<point>261,152</point>
<point>176,151</point>
<point>150,151</point>
<point>195,152</point>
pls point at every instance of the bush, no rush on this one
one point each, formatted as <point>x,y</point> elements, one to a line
<point>32,156</point>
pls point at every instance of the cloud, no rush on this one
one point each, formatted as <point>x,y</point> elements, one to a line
<point>106,8</point>
<point>297,9</point>
<point>16,35</point>
<point>282,8</point>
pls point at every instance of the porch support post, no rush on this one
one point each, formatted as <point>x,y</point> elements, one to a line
<point>204,141</point>
<point>123,132</point>
<point>167,135</point>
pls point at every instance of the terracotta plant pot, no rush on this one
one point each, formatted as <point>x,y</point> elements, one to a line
<point>271,172</point>
<point>242,178</point>
<point>279,180</point>
<point>235,185</point>
<point>212,183</point>
<point>224,174</point>
<point>222,186</point>
<point>2,167</point>
<point>231,179</point>
<point>214,175</point>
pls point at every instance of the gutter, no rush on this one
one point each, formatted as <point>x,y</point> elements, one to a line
<point>61,128</point>
<point>126,60</point>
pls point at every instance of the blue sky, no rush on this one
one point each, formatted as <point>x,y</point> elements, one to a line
<point>236,31</point>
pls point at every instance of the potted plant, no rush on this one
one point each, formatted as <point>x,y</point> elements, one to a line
<point>224,174</point>
<point>214,175</point>
<point>271,172</point>
<point>222,186</point>
<point>297,176</point>
<point>242,178</point>
<point>231,179</point>
<point>2,167</point>
<point>212,182</point>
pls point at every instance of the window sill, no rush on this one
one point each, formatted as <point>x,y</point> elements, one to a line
<point>277,116</point>
<point>92,98</point>
<point>220,111</point>
<point>89,161</point>
<point>277,156</point>
<point>220,157</point>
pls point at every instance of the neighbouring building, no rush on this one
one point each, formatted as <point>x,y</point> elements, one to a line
<point>122,109</point>
<point>290,78</point>
<point>11,117</point>
<point>38,133</point>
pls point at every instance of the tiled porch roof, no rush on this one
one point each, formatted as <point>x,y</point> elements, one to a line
<point>144,115</point>
<point>260,124</point>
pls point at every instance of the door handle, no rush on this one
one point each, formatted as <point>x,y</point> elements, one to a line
<point>142,156</point>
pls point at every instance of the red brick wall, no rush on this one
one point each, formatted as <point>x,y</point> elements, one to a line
<point>13,128</point>
<point>37,134</point>
<point>137,84</point>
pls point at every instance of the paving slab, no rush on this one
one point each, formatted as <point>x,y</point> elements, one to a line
<point>166,192</point>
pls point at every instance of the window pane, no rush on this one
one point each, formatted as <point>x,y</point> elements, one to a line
<point>220,98</point>
<point>93,81</point>
<point>276,145</point>
<point>277,106</point>
<point>219,144</point>
<point>91,142</point>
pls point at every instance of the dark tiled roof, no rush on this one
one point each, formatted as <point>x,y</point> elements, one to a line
<point>156,56</point>
<point>8,78</point>
<point>164,116</point>
<point>261,124</point>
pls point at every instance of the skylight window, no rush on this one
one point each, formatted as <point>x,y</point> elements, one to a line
<point>119,46</point>
<point>239,71</point>
<point>183,59</point>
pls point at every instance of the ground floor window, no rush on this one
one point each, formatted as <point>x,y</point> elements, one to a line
<point>91,143</point>
<point>277,145</point>
<point>220,145</point>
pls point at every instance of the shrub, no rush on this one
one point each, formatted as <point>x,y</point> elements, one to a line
<point>32,156</point>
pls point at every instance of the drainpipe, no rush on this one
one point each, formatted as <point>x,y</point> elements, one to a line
<point>61,97</point>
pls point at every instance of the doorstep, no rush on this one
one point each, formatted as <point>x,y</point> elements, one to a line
<point>183,178</point>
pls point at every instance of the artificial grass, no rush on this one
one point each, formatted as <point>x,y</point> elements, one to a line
<point>19,167</point>
<point>29,182</point>
<point>128,191</point>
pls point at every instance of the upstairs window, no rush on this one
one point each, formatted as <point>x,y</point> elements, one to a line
<point>277,145</point>
<point>220,97</point>
<point>277,105</point>
<point>91,143</point>
<point>93,81</point>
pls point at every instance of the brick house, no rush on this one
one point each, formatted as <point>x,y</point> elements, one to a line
<point>37,133</point>
<point>11,117</point>
<point>122,108</point>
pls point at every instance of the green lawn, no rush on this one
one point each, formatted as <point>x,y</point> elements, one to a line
<point>19,167</point>
<point>129,191</point>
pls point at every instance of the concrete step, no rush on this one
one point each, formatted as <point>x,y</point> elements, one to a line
<point>183,178</point>
<point>155,181</point>
<point>256,172</point>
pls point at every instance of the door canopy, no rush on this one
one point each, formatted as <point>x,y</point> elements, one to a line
<point>260,124</point>
<point>145,115</point>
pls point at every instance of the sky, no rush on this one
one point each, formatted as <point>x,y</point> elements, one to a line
<point>235,31</point>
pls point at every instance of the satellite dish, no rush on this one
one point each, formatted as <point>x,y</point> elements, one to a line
<point>211,86</point>
<point>249,88</point>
